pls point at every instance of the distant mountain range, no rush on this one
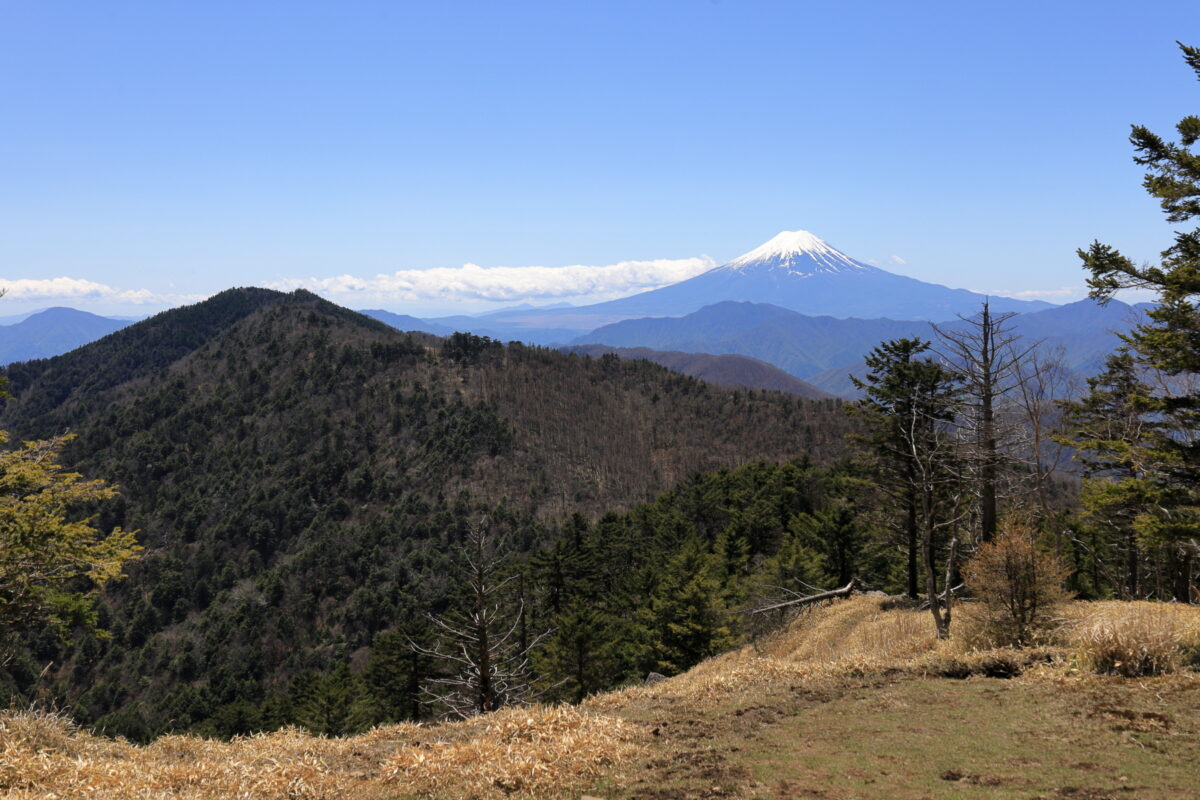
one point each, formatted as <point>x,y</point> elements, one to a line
<point>722,370</point>
<point>823,350</point>
<point>51,332</point>
<point>795,303</point>
<point>795,270</point>
<point>799,271</point>
<point>798,344</point>
<point>404,322</point>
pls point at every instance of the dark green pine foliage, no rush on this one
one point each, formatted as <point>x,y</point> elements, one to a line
<point>396,670</point>
<point>567,569</point>
<point>1168,343</point>
<point>579,656</point>
<point>674,578</point>
<point>909,409</point>
<point>684,621</point>
<point>834,535</point>
<point>1115,427</point>
<point>335,704</point>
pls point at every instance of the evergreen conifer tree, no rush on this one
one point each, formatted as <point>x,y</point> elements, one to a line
<point>1167,344</point>
<point>684,619</point>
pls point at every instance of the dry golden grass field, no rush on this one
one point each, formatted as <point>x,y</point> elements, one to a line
<point>850,701</point>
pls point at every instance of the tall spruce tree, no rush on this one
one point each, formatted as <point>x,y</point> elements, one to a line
<point>1167,344</point>
<point>909,408</point>
<point>906,396</point>
<point>1115,428</point>
<point>683,622</point>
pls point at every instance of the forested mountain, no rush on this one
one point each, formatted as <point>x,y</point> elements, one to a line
<point>723,370</point>
<point>298,473</point>
<point>798,344</point>
<point>823,350</point>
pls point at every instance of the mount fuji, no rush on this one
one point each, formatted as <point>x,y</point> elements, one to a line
<point>800,271</point>
<point>796,270</point>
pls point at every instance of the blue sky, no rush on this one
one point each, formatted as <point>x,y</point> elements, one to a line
<point>157,152</point>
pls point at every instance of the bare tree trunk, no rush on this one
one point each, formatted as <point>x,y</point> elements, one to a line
<point>984,353</point>
<point>480,643</point>
<point>987,428</point>
<point>941,623</point>
<point>911,529</point>
<point>1133,559</point>
<point>951,558</point>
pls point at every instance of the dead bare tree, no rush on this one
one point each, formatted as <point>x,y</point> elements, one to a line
<point>987,356</point>
<point>801,601</point>
<point>935,452</point>
<point>482,644</point>
<point>1043,381</point>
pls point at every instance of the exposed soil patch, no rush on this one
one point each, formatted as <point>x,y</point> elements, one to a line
<point>1132,720</point>
<point>972,778</point>
<point>691,774</point>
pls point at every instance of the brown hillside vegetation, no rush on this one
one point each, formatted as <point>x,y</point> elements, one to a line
<point>850,701</point>
<point>722,370</point>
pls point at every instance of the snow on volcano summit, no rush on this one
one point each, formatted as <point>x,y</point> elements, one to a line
<point>798,252</point>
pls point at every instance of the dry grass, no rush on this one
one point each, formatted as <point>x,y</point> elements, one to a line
<point>854,632</point>
<point>520,752</point>
<point>856,637</point>
<point>824,644</point>
<point>539,752</point>
<point>1133,639</point>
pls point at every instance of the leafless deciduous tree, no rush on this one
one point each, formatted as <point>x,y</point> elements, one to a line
<point>988,356</point>
<point>934,451</point>
<point>482,643</point>
<point>1042,383</point>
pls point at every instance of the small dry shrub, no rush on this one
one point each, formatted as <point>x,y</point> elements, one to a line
<point>38,729</point>
<point>1018,585</point>
<point>1131,639</point>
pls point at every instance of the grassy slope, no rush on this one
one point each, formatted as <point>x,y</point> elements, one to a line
<point>847,703</point>
<point>851,702</point>
<point>913,737</point>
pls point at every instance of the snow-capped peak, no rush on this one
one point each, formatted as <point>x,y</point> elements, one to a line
<point>795,251</point>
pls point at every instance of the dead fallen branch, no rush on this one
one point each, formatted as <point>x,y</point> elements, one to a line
<point>845,591</point>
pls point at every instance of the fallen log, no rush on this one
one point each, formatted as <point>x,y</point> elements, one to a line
<point>845,591</point>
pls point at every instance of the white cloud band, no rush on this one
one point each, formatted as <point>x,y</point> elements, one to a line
<point>82,289</point>
<point>473,282</point>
